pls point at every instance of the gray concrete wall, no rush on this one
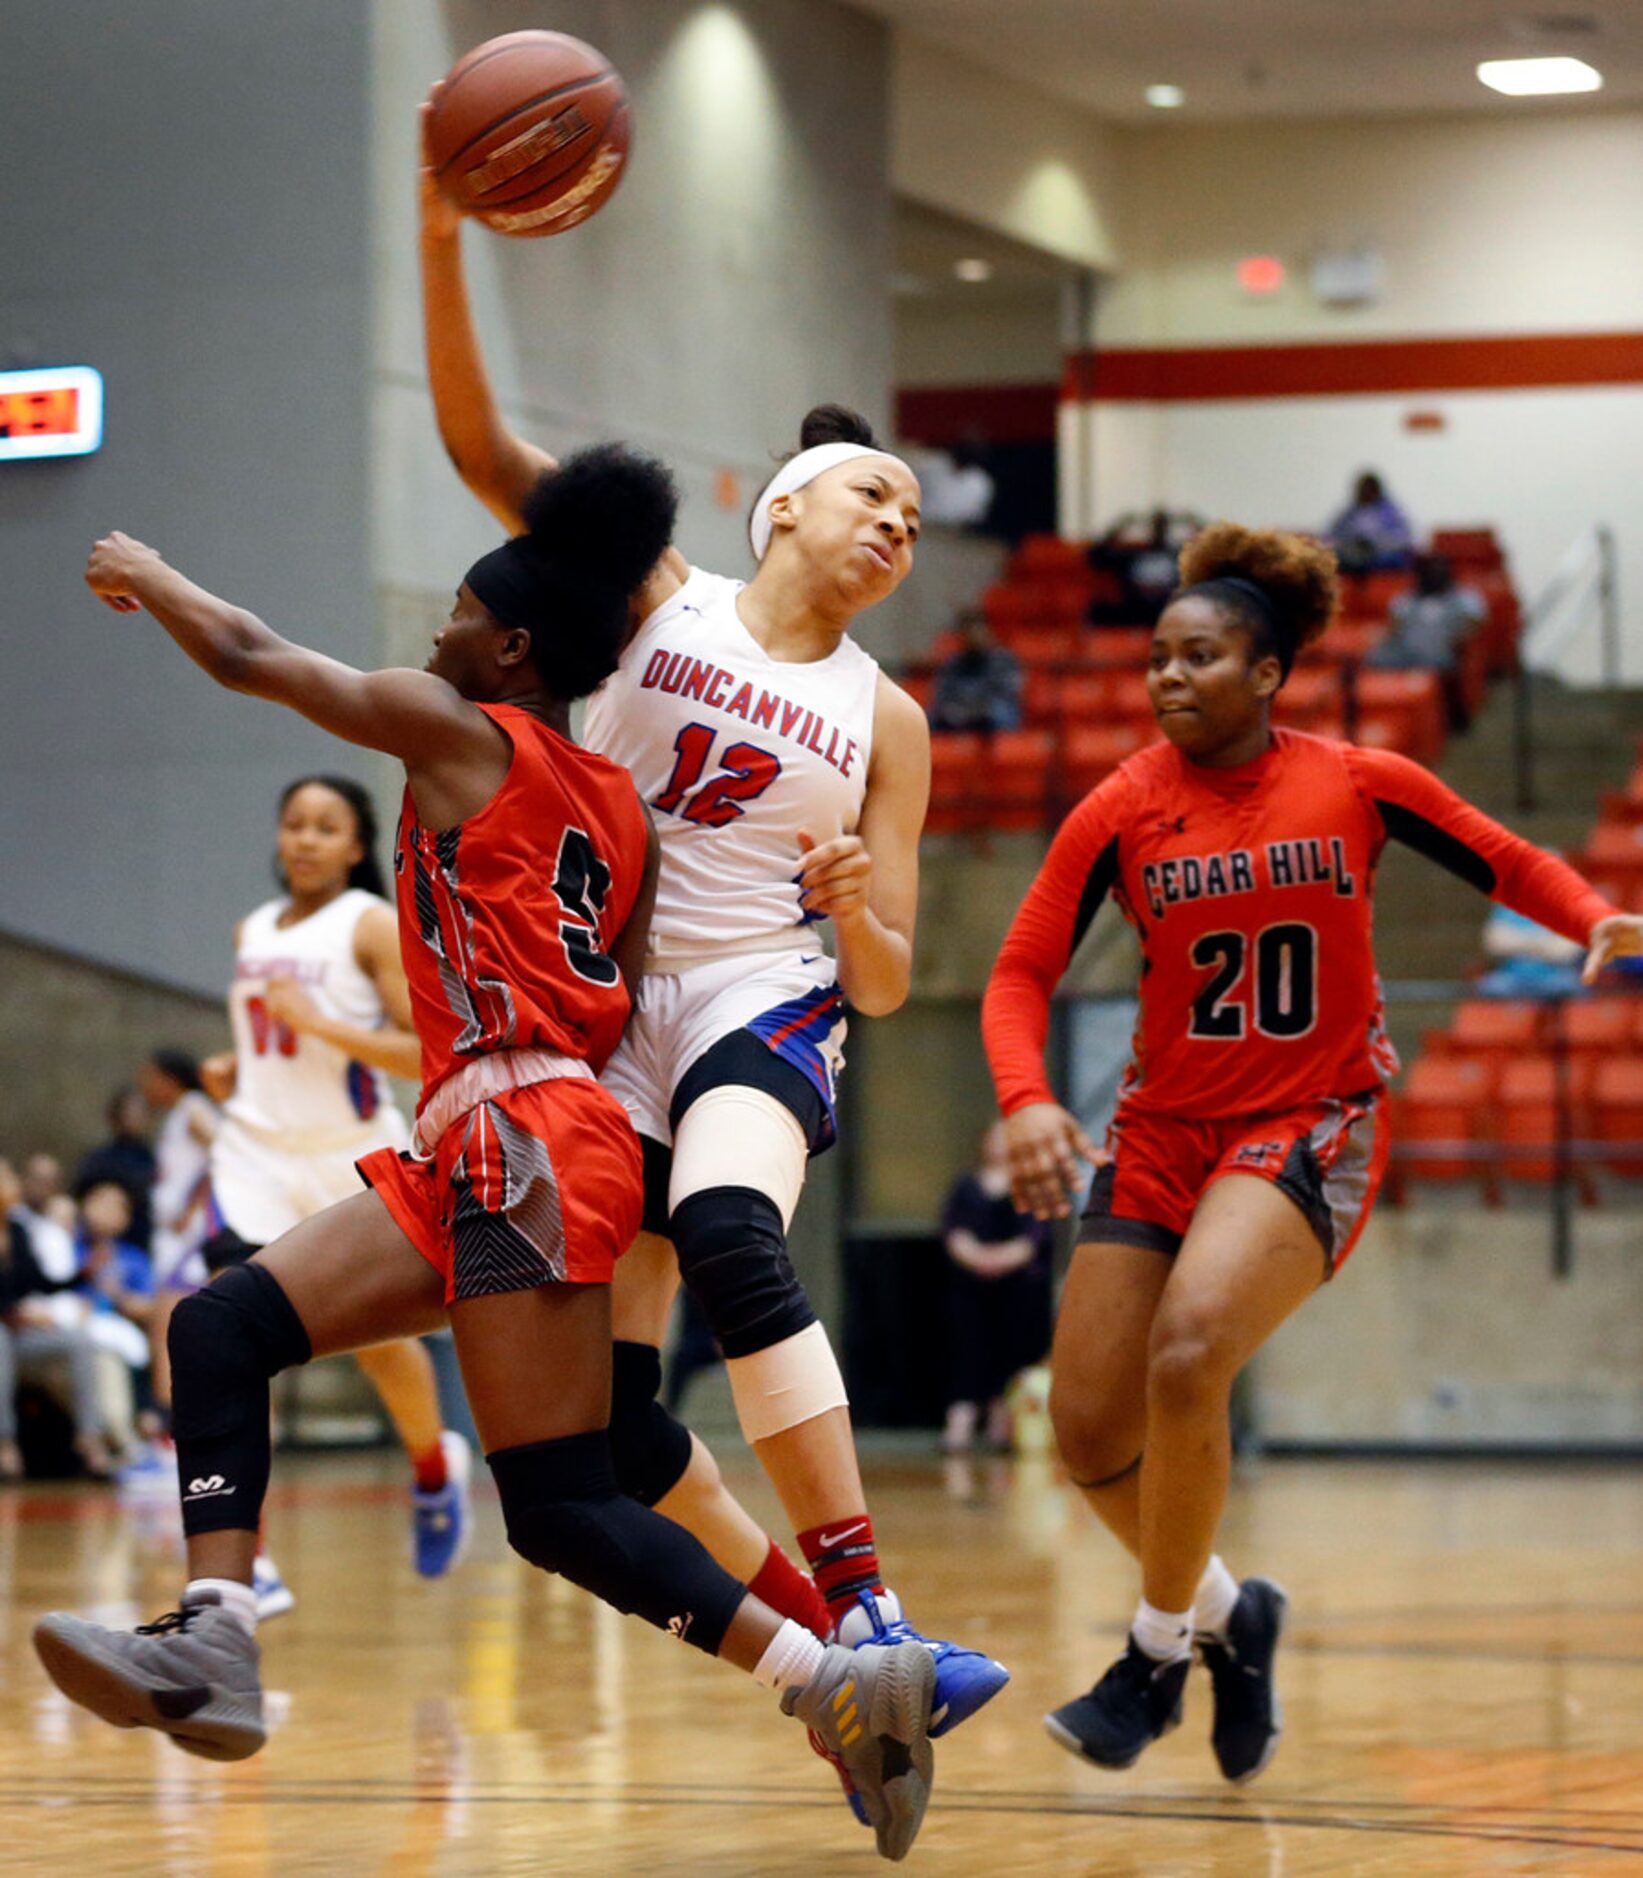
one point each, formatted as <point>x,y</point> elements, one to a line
<point>184,203</point>
<point>739,275</point>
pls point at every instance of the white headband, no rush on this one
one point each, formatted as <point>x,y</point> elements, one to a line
<point>795,473</point>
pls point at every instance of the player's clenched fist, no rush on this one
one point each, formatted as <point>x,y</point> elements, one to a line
<point>1045,1145</point>
<point>110,572</point>
<point>834,877</point>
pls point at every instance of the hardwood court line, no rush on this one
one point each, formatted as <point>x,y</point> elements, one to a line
<point>1466,1652</point>
<point>980,1804</point>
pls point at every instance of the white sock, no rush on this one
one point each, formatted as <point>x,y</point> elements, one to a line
<point>1216,1594</point>
<point>1166,1636</point>
<point>240,1601</point>
<point>791,1658</point>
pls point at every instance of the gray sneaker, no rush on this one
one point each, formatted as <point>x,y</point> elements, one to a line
<point>870,1707</point>
<point>192,1674</point>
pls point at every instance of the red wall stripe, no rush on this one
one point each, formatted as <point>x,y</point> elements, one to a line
<point>942,415</point>
<point>1485,363</point>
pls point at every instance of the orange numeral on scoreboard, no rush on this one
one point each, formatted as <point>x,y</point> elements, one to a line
<point>40,413</point>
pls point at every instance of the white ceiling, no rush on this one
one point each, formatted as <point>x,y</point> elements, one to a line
<point>1281,58</point>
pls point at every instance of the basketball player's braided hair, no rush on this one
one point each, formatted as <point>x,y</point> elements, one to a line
<point>1294,575</point>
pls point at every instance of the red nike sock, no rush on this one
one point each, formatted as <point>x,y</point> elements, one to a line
<point>843,1560</point>
<point>791,1592</point>
<point>430,1469</point>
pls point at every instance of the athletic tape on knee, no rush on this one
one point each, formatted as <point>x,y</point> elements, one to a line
<point>564,1514</point>
<point>225,1342</point>
<point>650,1450</point>
<point>733,1255</point>
<point>734,1136</point>
<point>791,1382</point>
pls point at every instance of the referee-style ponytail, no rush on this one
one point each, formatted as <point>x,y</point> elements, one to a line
<point>1281,587</point>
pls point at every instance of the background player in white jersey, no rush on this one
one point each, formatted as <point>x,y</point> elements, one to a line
<point>787,778</point>
<point>320,1012</point>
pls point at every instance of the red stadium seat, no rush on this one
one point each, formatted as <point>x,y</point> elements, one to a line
<point>1529,1105</point>
<point>1593,1027</point>
<point>1439,1114</point>
<point>1494,1030</point>
<point>1043,645</point>
<point>954,760</point>
<point>1468,548</point>
<point>1010,607</point>
<point>1413,698</point>
<point>1128,697</point>
<point>1614,855</point>
<point>1094,751</point>
<point>1369,596</point>
<point>1047,555</point>
<point>1083,698</point>
<point>1119,648</point>
<point>1617,1113</point>
<point>920,686</point>
<point>1012,778</point>
<point>1307,696</point>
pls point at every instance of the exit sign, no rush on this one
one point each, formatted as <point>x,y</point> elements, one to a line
<point>54,412</point>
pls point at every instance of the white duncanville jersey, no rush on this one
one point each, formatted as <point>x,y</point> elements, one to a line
<point>733,752</point>
<point>300,1089</point>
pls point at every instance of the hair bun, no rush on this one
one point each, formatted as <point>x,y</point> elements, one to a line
<point>835,423</point>
<point>1295,572</point>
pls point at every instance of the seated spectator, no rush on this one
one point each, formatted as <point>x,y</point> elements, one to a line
<point>116,1290</point>
<point>47,1215</point>
<point>979,686</point>
<point>1372,532</point>
<point>1142,552</point>
<point>1427,628</point>
<point>1531,961</point>
<point>33,1338</point>
<point>125,1157</point>
<point>998,1297</point>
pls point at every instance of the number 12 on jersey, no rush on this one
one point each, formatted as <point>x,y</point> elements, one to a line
<point>745,773</point>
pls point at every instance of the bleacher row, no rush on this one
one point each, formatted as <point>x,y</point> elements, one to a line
<point>1085,705</point>
<point>1491,1097</point>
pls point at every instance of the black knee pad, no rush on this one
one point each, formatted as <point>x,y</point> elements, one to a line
<point>733,1255</point>
<point>228,1339</point>
<point>226,1342</point>
<point>564,1514</point>
<point>650,1450</point>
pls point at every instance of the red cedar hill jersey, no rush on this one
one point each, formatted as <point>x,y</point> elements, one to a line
<point>1249,890</point>
<point>506,921</point>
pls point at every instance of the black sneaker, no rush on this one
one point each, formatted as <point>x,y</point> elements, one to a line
<point>1136,1702</point>
<point>1248,1719</point>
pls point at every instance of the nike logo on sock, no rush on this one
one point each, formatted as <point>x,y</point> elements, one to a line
<point>830,1539</point>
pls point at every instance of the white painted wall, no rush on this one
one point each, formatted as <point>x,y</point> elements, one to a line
<point>737,277</point>
<point>944,341</point>
<point>1488,227</point>
<point>1520,223</point>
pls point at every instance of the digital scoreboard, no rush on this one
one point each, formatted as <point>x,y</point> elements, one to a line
<point>57,411</point>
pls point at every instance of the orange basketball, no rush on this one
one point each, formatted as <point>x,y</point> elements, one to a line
<point>529,132</point>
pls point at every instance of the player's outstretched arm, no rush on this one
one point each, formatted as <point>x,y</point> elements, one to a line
<point>498,466</point>
<point>411,715</point>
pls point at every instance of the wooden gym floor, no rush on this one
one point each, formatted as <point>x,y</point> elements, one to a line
<point>1463,1683</point>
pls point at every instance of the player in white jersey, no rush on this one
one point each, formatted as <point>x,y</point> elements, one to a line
<point>787,778</point>
<point>321,1015</point>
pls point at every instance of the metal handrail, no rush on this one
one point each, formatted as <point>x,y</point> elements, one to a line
<point>1586,573</point>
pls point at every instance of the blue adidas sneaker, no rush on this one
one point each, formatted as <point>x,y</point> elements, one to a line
<point>965,1679</point>
<point>440,1521</point>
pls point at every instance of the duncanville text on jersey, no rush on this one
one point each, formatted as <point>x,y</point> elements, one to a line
<point>683,676</point>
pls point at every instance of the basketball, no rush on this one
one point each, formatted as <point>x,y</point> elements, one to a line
<point>529,132</point>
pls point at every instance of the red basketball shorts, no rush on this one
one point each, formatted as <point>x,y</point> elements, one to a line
<point>1328,1157</point>
<point>539,1185</point>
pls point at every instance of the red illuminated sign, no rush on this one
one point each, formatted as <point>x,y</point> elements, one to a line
<point>54,412</point>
